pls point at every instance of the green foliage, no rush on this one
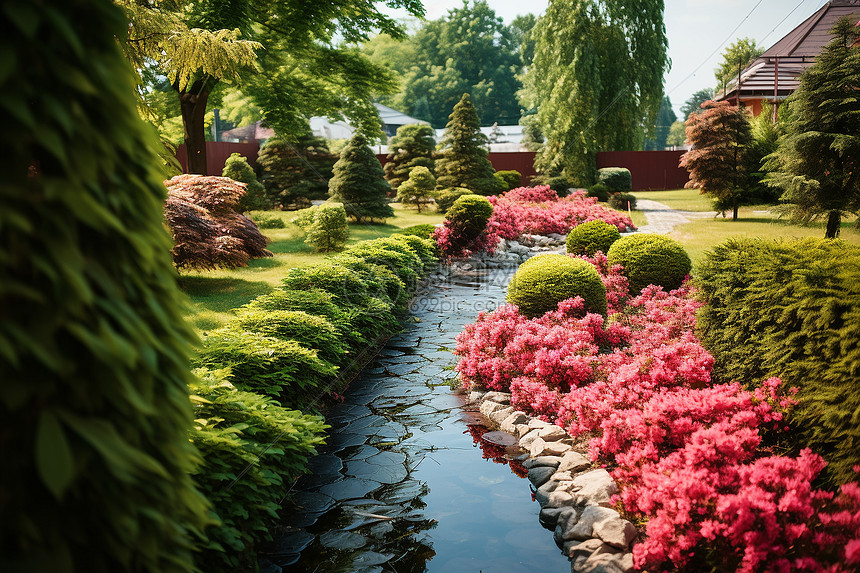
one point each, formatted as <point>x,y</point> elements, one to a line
<point>294,172</point>
<point>600,191</point>
<point>677,134</point>
<point>736,57</point>
<point>311,331</point>
<point>393,254</point>
<point>425,230</point>
<point>622,201</point>
<point>545,280</point>
<point>694,103</point>
<point>561,184</point>
<point>359,184</point>
<point>467,50</point>
<point>650,259</point>
<point>446,197</point>
<point>329,230</point>
<point>765,139</point>
<point>283,369</point>
<point>511,178</point>
<point>424,247</point>
<point>94,409</point>
<point>418,189</point>
<point>463,159</point>
<point>251,451</point>
<point>471,211</point>
<point>816,164</point>
<point>236,167</point>
<point>268,221</point>
<point>665,120</point>
<point>588,238</point>
<point>719,161</point>
<point>347,287</point>
<point>596,80</point>
<point>791,309</point>
<point>616,179</point>
<point>413,146</point>
<point>380,281</point>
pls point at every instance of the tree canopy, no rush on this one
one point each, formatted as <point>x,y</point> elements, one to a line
<point>665,118</point>
<point>358,182</point>
<point>736,57</point>
<point>413,146</point>
<point>695,101</point>
<point>816,164</point>
<point>596,79</point>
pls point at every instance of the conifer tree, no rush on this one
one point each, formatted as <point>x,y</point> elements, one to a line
<point>359,182</point>
<point>413,146</point>
<point>463,161</point>
<point>236,168</point>
<point>718,163</point>
<point>818,161</point>
<point>418,189</point>
<point>94,407</point>
<point>295,171</point>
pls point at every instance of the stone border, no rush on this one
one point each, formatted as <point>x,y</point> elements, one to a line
<point>574,495</point>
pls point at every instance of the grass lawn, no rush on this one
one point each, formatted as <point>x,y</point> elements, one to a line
<point>214,294</point>
<point>700,235</point>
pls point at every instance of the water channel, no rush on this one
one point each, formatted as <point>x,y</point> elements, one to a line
<point>405,484</point>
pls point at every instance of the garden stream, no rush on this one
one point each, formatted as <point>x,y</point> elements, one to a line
<point>405,484</point>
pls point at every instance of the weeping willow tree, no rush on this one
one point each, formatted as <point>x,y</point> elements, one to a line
<point>596,80</point>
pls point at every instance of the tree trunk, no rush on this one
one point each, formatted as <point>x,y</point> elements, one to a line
<point>192,103</point>
<point>735,210</point>
<point>833,221</point>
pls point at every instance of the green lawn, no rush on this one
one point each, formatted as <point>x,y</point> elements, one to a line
<point>701,235</point>
<point>214,294</point>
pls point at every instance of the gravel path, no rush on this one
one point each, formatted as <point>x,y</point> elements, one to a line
<point>662,219</point>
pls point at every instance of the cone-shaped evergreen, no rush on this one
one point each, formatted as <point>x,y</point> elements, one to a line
<point>94,406</point>
<point>816,164</point>
<point>463,162</point>
<point>359,183</point>
<point>413,146</point>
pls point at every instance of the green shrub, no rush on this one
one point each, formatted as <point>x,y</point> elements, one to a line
<point>471,211</point>
<point>307,329</point>
<point>425,248</point>
<point>650,259</point>
<point>561,184</point>
<point>622,201</point>
<point>791,309</point>
<point>94,409</point>
<point>446,197</point>
<point>600,191</point>
<point>282,369</point>
<point>616,179</point>
<point>545,280</point>
<point>590,237</point>
<point>264,221</point>
<point>380,281</point>
<point>425,230</point>
<point>418,189</point>
<point>236,168</point>
<point>406,265</point>
<point>251,450</point>
<point>511,178</point>
<point>346,287</point>
<point>329,230</point>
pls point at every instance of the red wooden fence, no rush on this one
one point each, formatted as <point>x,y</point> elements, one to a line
<point>217,153</point>
<point>650,169</point>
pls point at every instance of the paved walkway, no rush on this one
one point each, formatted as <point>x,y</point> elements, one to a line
<point>662,219</point>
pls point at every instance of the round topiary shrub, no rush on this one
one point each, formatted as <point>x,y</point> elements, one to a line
<point>471,211</point>
<point>590,237</point>
<point>650,259</point>
<point>545,280</point>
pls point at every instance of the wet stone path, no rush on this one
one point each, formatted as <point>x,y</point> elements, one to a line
<point>405,484</point>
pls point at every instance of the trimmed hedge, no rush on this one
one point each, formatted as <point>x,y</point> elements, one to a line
<point>309,330</point>
<point>424,231</point>
<point>545,280</point>
<point>510,177</point>
<point>600,191</point>
<point>590,237</point>
<point>650,259</point>
<point>621,201</point>
<point>791,309</point>
<point>616,179</point>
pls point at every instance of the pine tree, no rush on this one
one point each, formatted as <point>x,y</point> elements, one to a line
<point>413,146</point>
<point>418,189</point>
<point>718,163</point>
<point>94,407</point>
<point>295,171</point>
<point>359,183</point>
<point>817,161</point>
<point>236,168</point>
<point>463,161</point>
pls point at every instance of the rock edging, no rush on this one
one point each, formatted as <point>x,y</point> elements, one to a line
<point>574,495</point>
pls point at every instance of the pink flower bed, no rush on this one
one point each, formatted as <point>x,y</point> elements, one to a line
<point>538,210</point>
<point>692,458</point>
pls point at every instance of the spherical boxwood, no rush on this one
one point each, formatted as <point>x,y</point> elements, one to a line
<point>590,237</point>
<point>650,259</point>
<point>543,281</point>
<point>471,211</point>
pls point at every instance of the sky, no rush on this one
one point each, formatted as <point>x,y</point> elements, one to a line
<point>698,31</point>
